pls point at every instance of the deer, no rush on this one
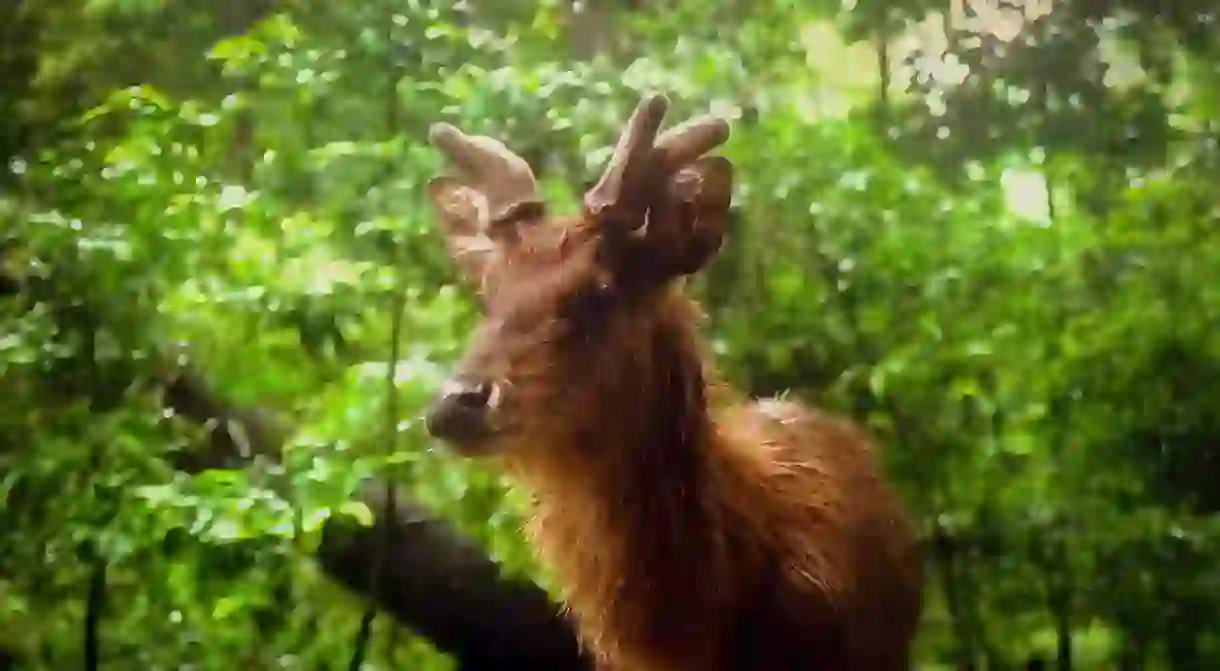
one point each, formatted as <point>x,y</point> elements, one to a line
<point>688,527</point>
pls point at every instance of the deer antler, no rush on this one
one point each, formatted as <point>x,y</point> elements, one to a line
<point>621,188</point>
<point>487,166</point>
<point>642,163</point>
<point>667,183</point>
<point>683,144</point>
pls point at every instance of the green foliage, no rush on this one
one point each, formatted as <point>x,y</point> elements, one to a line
<point>1008,278</point>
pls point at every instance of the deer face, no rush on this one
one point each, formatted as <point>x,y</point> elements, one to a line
<point>569,304</point>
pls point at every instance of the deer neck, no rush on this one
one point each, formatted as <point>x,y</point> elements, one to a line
<point>648,443</point>
<point>630,524</point>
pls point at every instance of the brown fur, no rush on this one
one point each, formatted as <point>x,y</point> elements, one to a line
<point>690,530</point>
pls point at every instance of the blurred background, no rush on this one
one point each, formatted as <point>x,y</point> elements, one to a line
<point>990,230</point>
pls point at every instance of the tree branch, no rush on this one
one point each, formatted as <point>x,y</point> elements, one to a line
<point>440,584</point>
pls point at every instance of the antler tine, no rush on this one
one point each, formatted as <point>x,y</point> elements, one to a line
<point>626,177</point>
<point>683,144</point>
<point>504,178</point>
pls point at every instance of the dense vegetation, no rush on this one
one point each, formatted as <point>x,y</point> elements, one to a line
<point>989,231</point>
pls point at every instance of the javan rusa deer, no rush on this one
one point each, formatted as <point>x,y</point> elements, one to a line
<point>689,529</point>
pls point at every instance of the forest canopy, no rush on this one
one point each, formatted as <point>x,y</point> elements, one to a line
<point>988,230</point>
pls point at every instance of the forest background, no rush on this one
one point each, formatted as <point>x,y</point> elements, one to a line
<point>988,230</point>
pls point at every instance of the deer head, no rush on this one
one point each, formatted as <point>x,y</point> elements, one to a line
<point>572,307</point>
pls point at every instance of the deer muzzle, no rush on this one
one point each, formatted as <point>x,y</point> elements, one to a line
<point>462,414</point>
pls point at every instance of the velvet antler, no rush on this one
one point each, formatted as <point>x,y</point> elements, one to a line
<point>665,191</point>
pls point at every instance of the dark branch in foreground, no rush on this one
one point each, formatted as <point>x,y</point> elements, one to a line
<point>450,592</point>
<point>439,584</point>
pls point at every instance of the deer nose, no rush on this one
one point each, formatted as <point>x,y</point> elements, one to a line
<point>461,413</point>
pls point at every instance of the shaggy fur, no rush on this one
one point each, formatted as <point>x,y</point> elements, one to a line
<point>689,529</point>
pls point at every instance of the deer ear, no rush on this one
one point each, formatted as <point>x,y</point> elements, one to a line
<point>463,216</point>
<point>688,226</point>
